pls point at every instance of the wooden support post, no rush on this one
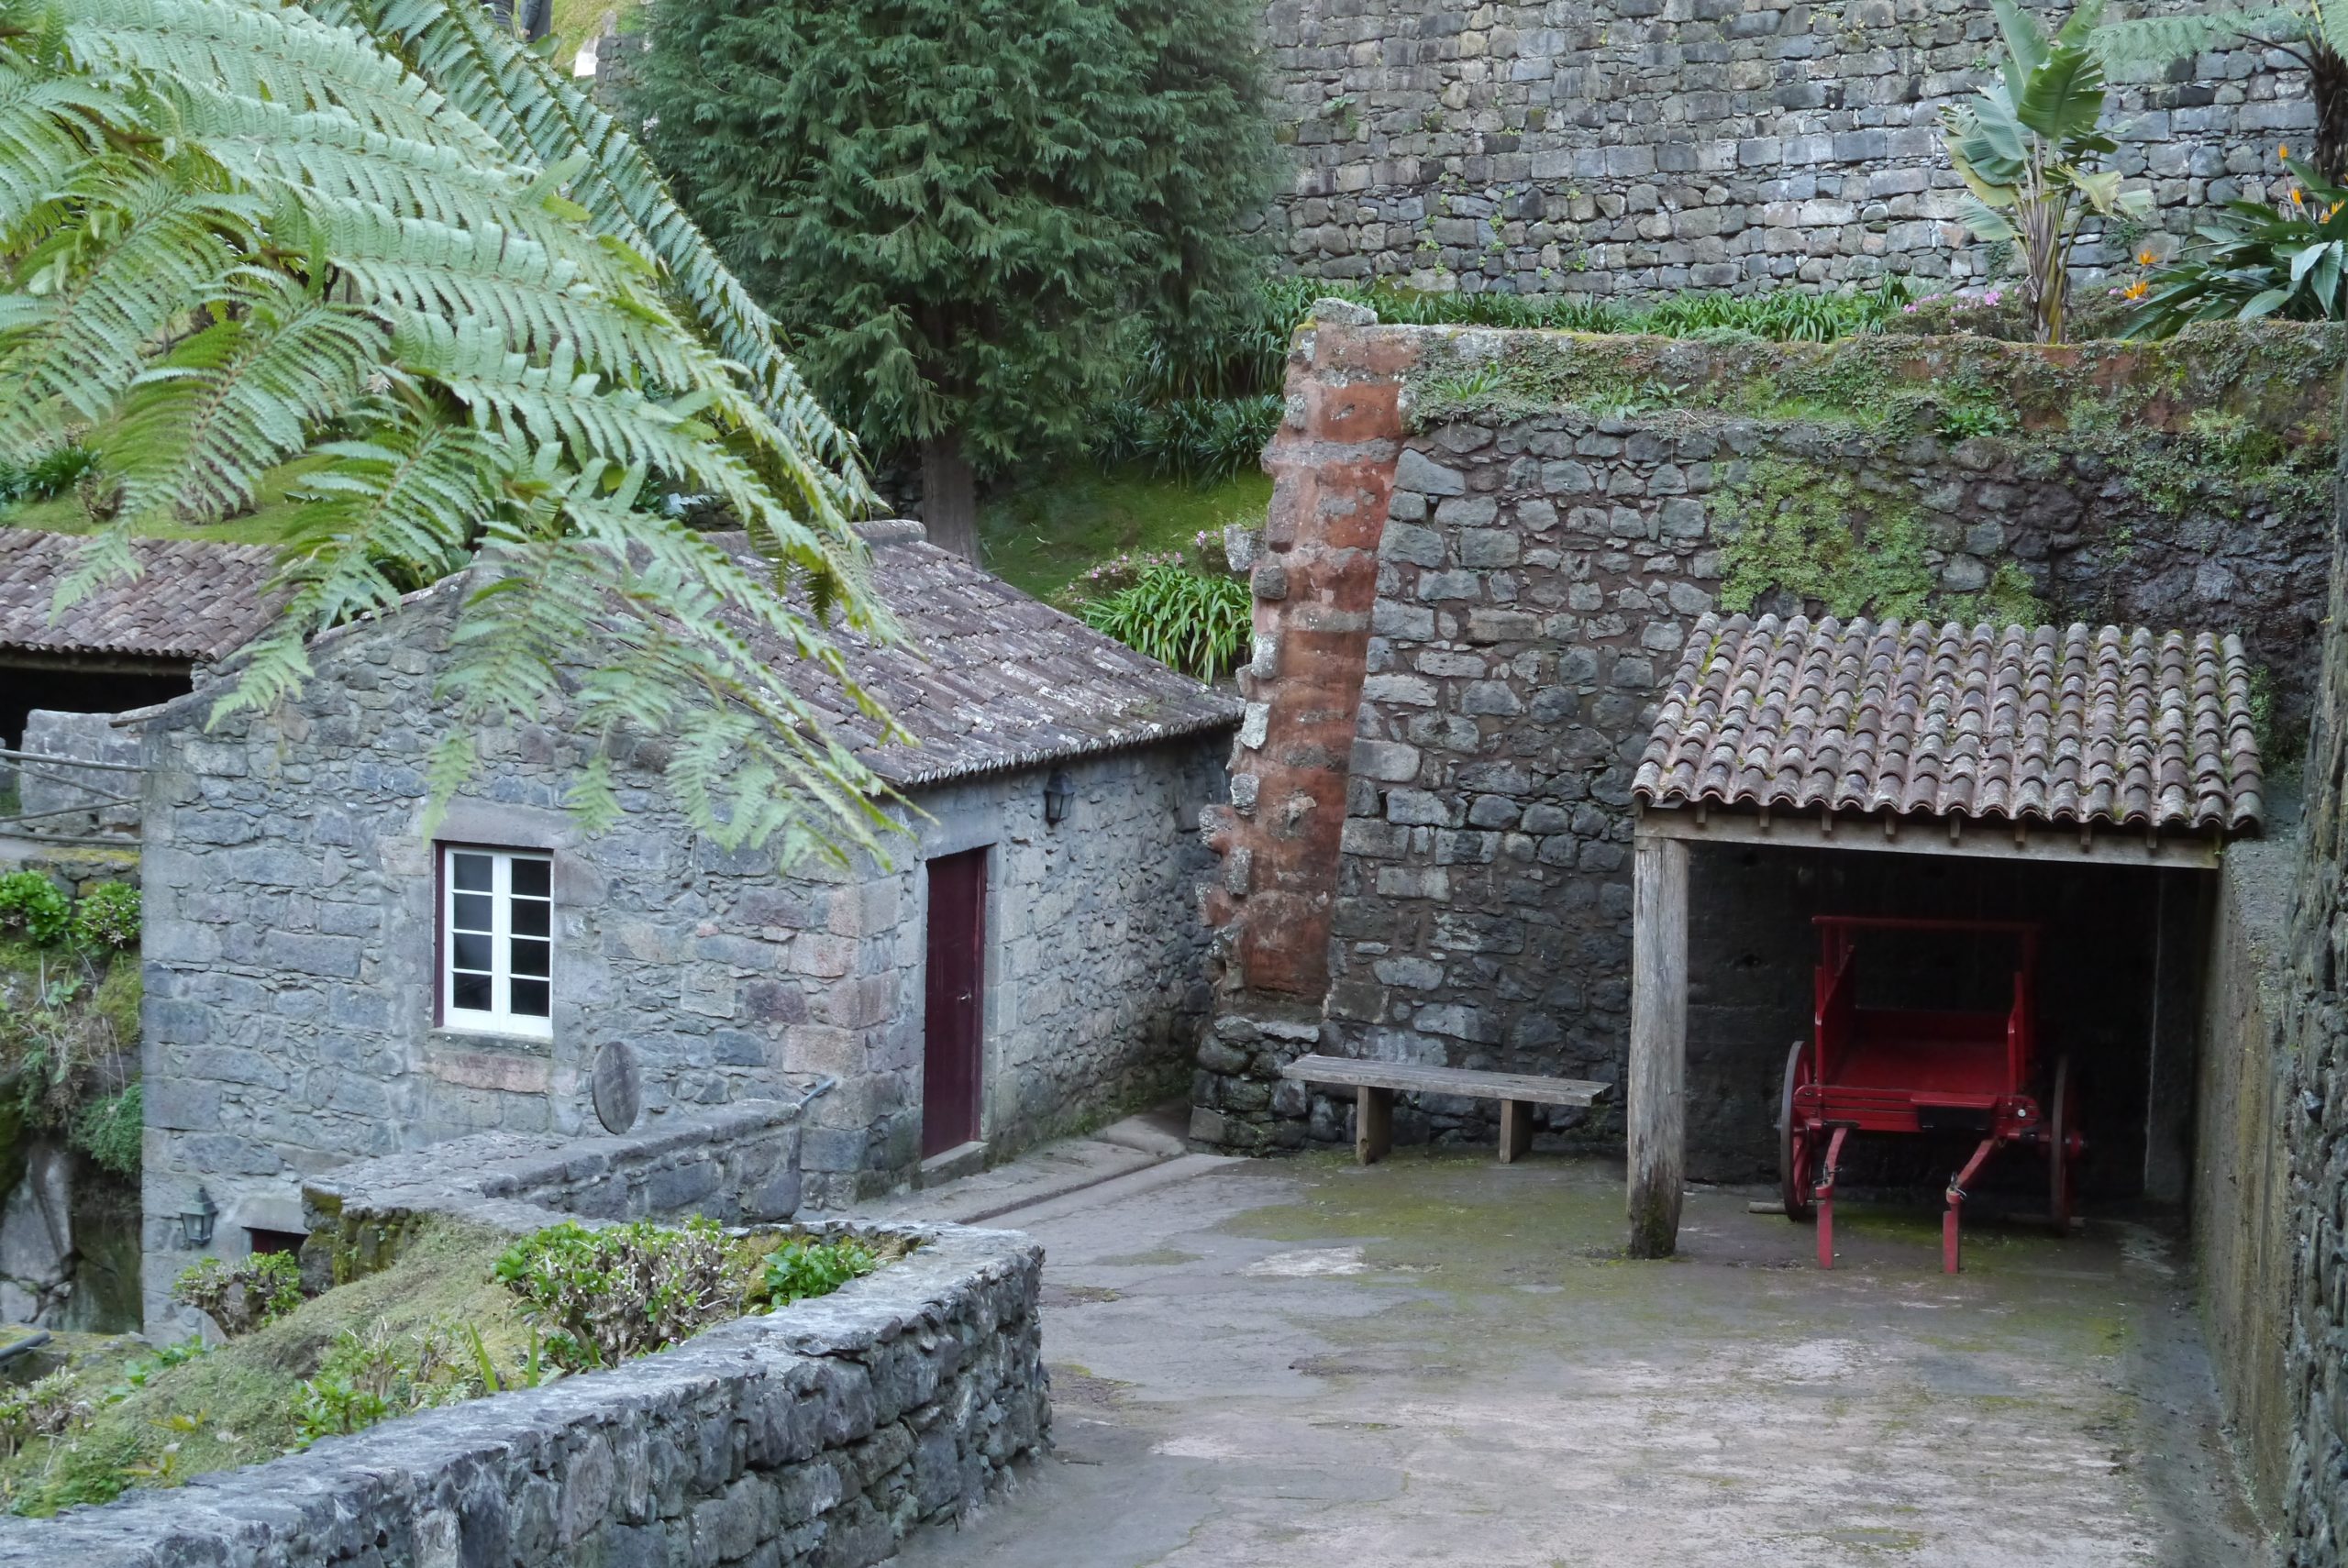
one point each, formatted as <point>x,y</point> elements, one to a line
<point>1516,1130</point>
<point>1373,1123</point>
<point>1655,1108</point>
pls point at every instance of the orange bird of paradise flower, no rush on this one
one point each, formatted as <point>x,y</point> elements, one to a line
<point>2284,152</point>
<point>2297,199</point>
<point>2136,290</point>
<point>2144,258</point>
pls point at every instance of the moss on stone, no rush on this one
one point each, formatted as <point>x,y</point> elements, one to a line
<point>1793,527</point>
<point>241,1403</point>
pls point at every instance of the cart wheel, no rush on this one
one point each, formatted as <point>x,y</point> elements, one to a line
<point>2063,1143</point>
<point>1796,1151</point>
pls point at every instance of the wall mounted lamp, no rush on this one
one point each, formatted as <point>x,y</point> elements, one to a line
<point>195,1224</point>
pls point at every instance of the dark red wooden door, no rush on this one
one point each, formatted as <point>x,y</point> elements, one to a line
<point>957,946</point>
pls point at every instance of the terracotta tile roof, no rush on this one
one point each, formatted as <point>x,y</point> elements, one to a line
<point>194,599</point>
<point>988,678</point>
<point>2059,725</point>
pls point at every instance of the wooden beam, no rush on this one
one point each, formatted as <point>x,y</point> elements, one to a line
<point>1373,1123</point>
<point>1516,1131</point>
<point>2073,845</point>
<point>1657,1107</point>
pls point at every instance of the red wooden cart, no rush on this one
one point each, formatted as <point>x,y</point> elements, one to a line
<point>1902,1070</point>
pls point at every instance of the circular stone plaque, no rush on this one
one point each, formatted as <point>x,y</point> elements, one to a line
<point>619,1094</point>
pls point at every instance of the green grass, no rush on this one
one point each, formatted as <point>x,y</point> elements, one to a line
<point>267,524</point>
<point>575,21</point>
<point>1041,533</point>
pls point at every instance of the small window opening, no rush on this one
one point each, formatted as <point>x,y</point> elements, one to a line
<point>497,940</point>
<point>275,1241</point>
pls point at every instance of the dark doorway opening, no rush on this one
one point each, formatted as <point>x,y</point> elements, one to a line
<point>24,688</point>
<point>950,1025</point>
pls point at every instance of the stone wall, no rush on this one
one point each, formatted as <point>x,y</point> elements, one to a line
<point>56,792</point>
<point>825,1434</point>
<point>2313,1046</point>
<point>1643,145</point>
<point>2242,1223</point>
<point>290,959</point>
<point>1561,510</point>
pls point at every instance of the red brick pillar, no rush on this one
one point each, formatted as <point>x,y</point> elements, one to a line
<point>1315,581</point>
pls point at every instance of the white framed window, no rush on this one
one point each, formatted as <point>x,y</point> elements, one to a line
<point>497,940</point>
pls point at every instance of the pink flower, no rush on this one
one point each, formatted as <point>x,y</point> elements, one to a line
<point>1990,298</point>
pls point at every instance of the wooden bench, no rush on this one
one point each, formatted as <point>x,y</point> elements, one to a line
<point>1376,1083</point>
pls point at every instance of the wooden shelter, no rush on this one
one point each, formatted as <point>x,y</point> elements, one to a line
<point>2056,746</point>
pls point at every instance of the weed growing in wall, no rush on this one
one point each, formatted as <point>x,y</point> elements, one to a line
<point>239,1297</point>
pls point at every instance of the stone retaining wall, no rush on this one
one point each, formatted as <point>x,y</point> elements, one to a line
<point>1561,509</point>
<point>737,1164</point>
<point>1641,145</point>
<point>823,1434</point>
<point>2242,1242</point>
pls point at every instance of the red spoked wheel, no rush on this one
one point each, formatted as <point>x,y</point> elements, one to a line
<point>2063,1146</point>
<point>1796,1149</point>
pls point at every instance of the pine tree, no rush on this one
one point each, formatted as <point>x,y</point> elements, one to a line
<point>958,210</point>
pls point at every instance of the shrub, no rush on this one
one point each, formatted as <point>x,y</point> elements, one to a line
<point>1200,441</point>
<point>109,1130</point>
<point>108,916</point>
<point>368,1376</point>
<point>2250,260</point>
<point>1199,624</point>
<point>242,1297</point>
<point>604,1296</point>
<point>800,1270</point>
<point>52,473</point>
<point>50,1407</point>
<point>30,903</point>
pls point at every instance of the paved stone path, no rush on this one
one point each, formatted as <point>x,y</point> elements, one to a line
<point>1441,1360</point>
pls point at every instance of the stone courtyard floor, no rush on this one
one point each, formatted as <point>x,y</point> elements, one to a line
<point>1443,1359</point>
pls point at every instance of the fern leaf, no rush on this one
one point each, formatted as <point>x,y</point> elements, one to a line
<point>236,397</point>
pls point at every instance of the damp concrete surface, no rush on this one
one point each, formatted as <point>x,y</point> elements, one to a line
<point>1443,1359</point>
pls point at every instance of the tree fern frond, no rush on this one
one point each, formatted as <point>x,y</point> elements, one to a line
<point>257,49</point>
<point>48,127</point>
<point>2157,40</point>
<point>235,399</point>
<point>233,229</point>
<point>518,97</point>
<point>389,514</point>
<point>137,250</point>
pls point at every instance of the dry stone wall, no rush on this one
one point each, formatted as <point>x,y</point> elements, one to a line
<point>1627,146</point>
<point>822,1435</point>
<point>2244,1245</point>
<point>1563,508</point>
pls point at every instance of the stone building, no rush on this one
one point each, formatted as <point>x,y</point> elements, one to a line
<point>131,641</point>
<point>1621,147</point>
<point>326,982</point>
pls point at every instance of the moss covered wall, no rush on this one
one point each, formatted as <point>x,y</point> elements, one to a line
<point>2179,483</point>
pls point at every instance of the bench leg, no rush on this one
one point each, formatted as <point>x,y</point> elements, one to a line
<point>1373,1124</point>
<point>1516,1130</point>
